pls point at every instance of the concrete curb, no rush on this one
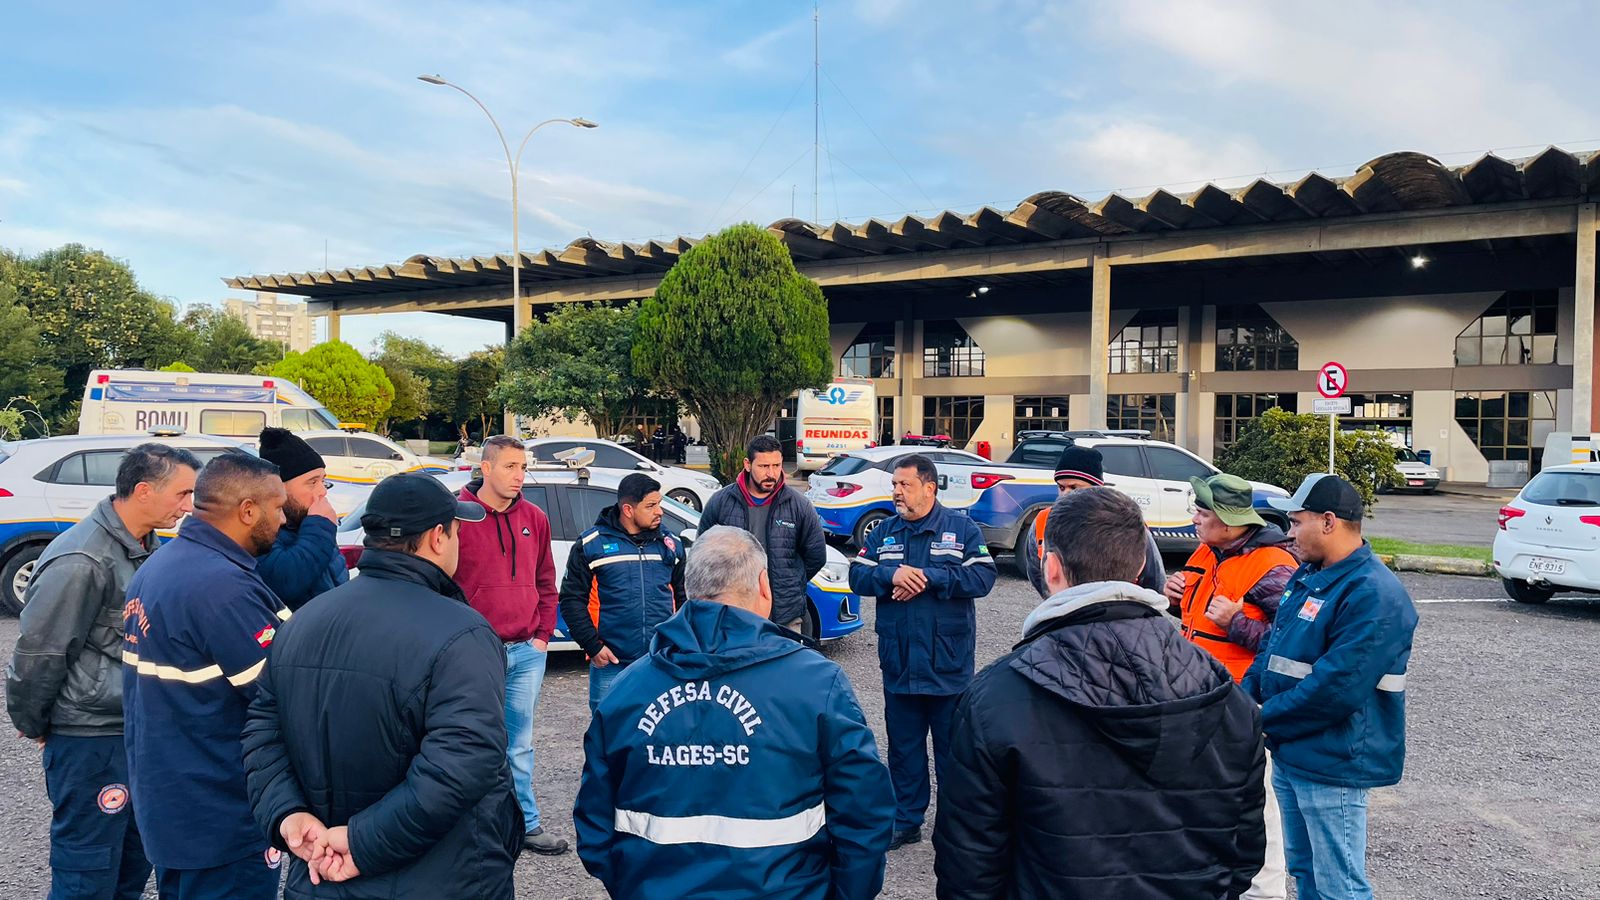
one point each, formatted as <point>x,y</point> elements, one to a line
<point>1437,565</point>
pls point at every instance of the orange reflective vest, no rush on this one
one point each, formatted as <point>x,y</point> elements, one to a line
<point>1204,578</point>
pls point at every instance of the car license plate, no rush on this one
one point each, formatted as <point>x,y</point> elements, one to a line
<point>1544,566</point>
<point>1415,483</point>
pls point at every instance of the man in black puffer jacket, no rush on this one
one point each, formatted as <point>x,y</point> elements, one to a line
<point>376,745</point>
<point>781,519</point>
<point>1106,756</point>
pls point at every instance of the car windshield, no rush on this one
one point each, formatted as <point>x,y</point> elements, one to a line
<point>1405,454</point>
<point>1563,489</point>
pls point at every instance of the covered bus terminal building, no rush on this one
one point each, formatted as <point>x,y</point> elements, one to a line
<point>1460,299</point>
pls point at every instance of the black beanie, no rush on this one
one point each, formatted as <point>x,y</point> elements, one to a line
<point>1082,463</point>
<point>293,456</point>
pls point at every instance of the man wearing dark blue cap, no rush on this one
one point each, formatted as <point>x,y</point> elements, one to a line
<point>376,746</point>
<point>1331,682</point>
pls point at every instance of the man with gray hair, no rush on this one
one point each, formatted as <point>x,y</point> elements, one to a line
<point>732,734</point>
<point>64,685</point>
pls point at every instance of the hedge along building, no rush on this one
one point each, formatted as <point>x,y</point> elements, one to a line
<point>1460,299</point>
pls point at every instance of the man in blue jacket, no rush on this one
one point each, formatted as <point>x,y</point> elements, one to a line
<point>1331,683</point>
<point>196,629</point>
<point>732,761</point>
<point>304,560</point>
<point>925,566</point>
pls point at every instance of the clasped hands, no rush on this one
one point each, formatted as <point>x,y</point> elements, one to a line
<point>326,851</point>
<point>908,582</point>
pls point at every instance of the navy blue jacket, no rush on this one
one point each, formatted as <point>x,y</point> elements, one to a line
<point>619,586</point>
<point>1331,679</point>
<point>197,626</point>
<point>733,762</point>
<point>304,563</point>
<point>926,644</point>
<point>382,709</point>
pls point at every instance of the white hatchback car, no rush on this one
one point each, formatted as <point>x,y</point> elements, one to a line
<point>687,486</point>
<point>1549,537</point>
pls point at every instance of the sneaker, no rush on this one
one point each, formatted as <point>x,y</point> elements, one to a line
<point>544,844</point>
<point>907,836</point>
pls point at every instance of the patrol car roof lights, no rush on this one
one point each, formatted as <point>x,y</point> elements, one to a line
<point>577,459</point>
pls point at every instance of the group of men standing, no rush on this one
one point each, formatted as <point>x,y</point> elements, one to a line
<point>380,730</point>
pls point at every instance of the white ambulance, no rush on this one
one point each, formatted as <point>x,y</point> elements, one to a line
<point>838,419</point>
<point>136,401</point>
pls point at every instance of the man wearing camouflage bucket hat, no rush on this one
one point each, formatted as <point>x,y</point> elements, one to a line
<point>1226,596</point>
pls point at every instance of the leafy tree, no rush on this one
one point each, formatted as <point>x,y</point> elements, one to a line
<point>177,367</point>
<point>333,372</point>
<point>734,330</point>
<point>422,359</point>
<point>410,395</point>
<point>26,366</point>
<point>222,342</point>
<point>92,314</point>
<point>577,360</point>
<point>477,377</point>
<point>1282,448</point>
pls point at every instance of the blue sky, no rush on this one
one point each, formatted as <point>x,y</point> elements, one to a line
<point>200,140</point>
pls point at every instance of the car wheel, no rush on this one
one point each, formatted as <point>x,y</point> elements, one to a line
<point>15,576</point>
<point>1523,592</point>
<point>686,497</point>
<point>867,523</point>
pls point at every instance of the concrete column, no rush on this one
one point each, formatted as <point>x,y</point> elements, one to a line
<point>333,326</point>
<point>1099,336</point>
<point>1584,356</point>
<point>908,364</point>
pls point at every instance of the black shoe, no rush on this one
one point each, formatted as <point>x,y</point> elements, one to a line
<point>544,844</point>
<point>908,836</point>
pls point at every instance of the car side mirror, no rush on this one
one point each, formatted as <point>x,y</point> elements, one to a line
<point>688,535</point>
<point>397,456</point>
<point>644,467</point>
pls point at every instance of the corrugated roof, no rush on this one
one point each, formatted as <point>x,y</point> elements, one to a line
<point>1392,183</point>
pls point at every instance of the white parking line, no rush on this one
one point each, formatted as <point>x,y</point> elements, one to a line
<point>1464,600</point>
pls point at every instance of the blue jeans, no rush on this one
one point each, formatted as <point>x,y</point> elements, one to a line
<point>1324,837</point>
<point>600,679</point>
<point>524,677</point>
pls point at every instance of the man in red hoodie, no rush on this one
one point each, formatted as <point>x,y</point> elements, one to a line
<point>508,575</point>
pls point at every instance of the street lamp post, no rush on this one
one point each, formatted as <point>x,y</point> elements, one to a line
<point>513,164</point>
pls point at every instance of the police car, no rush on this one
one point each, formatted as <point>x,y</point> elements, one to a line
<point>364,458</point>
<point>1154,473</point>
<point>573,496</point>
<point>48,485</point>
<point>853,492</point>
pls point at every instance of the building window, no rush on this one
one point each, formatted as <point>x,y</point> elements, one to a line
<point>1039,414</point>
<point>872,354</point>
<point>1144,412</point>
<point>1520,328</point>
<point>1234,411</point>
<point>1390,413</point>
<point>948,351</point>
<point>1249,340</point>
<point>1508,424</point>
<point>1148,344</point>
<point>958,417</point>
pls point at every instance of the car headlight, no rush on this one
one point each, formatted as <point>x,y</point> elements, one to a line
<point>835,572</point>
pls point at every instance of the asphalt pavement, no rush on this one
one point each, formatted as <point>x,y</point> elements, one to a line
<point>1439,518</point>
<point>1501,797</point>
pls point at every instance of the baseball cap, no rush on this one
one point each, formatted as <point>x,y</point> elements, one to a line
<point>1229,497</point>
<point>1323,493</point>
<point>411,503</point>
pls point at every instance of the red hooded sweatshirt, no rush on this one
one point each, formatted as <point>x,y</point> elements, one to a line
<point>506,569</point>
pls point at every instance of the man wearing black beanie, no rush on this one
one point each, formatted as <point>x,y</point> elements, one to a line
<point>1080,467</point>
<point>305,559</point>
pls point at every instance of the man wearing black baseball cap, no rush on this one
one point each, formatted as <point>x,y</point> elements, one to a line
<point>378,749</point>
<point>1331,682</point>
